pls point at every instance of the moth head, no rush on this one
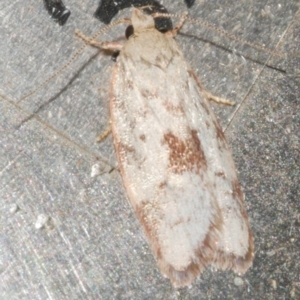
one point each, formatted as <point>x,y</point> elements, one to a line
<point>140,21</point>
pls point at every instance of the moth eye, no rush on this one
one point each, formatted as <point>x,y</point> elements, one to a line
<point>115,55</point>
<point>129,31</point>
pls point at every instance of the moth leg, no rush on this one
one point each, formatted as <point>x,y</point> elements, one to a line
<point>211,97</point>
<point>104,134</point>
<point>102,45</point>
<point>179,25</point>
<point>208,95</point>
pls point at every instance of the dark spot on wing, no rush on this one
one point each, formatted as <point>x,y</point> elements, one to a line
<point>220,174</point>
<point>148,94</point>
<point>220,136</point>
<point>129,84</point>
<point>124,150</point>
<point>143,137</point>
<point>176,110</point>
<point>236,190</point>
<point>185,155</point>
<point>162,185</point>
<point>203,104</point>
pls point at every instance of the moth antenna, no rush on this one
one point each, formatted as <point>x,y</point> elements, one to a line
<point>74,56</point>
<point>221,31</point>
<point>145,6</point>
<point>235,38</point>
<point>167,15</point>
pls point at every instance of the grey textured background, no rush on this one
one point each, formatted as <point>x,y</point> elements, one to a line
<point>92,247</point>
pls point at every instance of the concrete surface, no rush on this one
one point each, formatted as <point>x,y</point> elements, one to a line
<point>65,234</point>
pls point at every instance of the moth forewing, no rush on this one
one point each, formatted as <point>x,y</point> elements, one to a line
<point>175,162</point>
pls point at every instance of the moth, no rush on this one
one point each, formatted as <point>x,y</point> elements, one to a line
<point>174,159</point>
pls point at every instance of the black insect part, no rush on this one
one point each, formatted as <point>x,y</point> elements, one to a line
<point>115,55</point>
<point>58,12</point>
<point>107,9</point>
<point>129,31</point>
<point>189,3</point>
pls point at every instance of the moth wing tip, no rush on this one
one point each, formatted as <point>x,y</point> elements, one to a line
<point>223,261</point>
<point>239,264</point>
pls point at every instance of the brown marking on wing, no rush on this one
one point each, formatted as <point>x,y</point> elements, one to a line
<point>143,137</point>
<point>132,123</point>
<point>148,213</point>
<point>205,107</point>
<point>237,191</point>
<point>162,185</point>
<point>220,174</point>
<point>123,150</point>
<point>176,110</point>
<point>148,94</point>
<point>185,155</point>
<point>238,195</point>
<point>178,222</point>
<point>129,84</point>
<point>219,132</point>
<point>221,139</point>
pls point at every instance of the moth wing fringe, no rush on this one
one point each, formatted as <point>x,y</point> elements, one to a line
<point>221,261</point>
